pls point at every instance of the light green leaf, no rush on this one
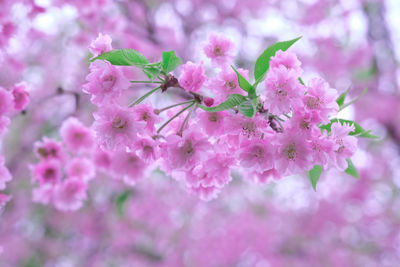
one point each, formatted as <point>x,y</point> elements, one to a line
<point>351,169</point>
<point>343,106</point>
<point>262,63</point>
<point>152,72</point>
<point>232,101</point>
<point>243,83</point>
<point>247,108</point>
<point>314,175</point>
<point>120,202</point>
<point>170,61</point>
<point>123,57</point>
<point>358,130</point>
<point>341,98</point>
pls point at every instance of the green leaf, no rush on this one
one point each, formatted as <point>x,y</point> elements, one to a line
<point>247,108</point>
<point>262,63</point>
<point>351,169</point>
<point>301,81</point>
<point>120,202</point>
<point>358,130</point>
<point>232,101</point>
<point>341,98</point>
<point>123,57</point>
<point>353,100</point>
<point>314,175</point>
<point>170,61</point>
<point>243,83</point>
<point>152,72</point>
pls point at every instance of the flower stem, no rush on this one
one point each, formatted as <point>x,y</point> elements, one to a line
<point>144,96</point>
<point>174,117</point>
<point>175,105</point>
<point>185,122</point>
<point>145,82</point>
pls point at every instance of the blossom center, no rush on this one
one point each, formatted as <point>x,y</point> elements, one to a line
<point>109,81</point>
<point>290,151</point>
<point>213,117</point>
<point>218,51</point>
<point>313,102</point>
<point>119,123</point>
<point>188,148</point>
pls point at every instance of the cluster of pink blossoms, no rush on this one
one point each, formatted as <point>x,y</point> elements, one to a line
<point>200,148</point>
<point>11,101</point>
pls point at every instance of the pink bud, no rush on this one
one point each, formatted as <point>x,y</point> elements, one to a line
<point>208,101</point>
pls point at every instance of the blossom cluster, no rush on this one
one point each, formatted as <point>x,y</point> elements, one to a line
<point>11,101</point>
<point>199,145</point>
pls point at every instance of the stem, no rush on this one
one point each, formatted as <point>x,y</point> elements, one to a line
<point>145,82</point>
<point>144,96</point>
<point>174,117</point>
<point>185,122</point>
<point>175,105</point>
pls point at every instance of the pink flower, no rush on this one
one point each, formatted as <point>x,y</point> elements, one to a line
<point>322,148</point>
<point>100,45</point>
<point>47,172</point>
<point>192,77</point>
<point>212,122</point>
<point>345,145</point>
<point>293,154</point>
<point>70,194</point>
<point>102,159</point>
<point>301,121</point>
<point>76,136</point>
<point>4,122</point>
<point>283,90</point>
<point>205,193</point>
<point>116,128</point>
<point>288,60</point>
<point>43,194</point>
<point>105,82</point>
<point>147,149</point>
<point>257,155</point>
<point>214,172</point>
<point>81,168</point>
<point>219,49</point>
<point>21,96</point>
<point>6,101</point>
<point>128,167</point>
<point>226,83</point>
<point>49,149</point>
<point>4,199</point>
<point>265,176</point>
<point>186,151</point>
<point>320,100</point>
<point>5,175</point>
<point>239,125</point>
<point>145,113</point>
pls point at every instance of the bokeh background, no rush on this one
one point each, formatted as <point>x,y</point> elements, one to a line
<point>346,222</point>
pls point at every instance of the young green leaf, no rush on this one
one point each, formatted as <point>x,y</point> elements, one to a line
<point>170,61</point>
<point>123,57</point>
<point>358,130</point>
<point>343,106</point>
<point>314,175</point>
<point>152,72</point>
<point>351,169</point>
<point>243,83</point>
<point>301,81</point>
<point>232,101</point>
<point>341,98</point>
<point>120,202</point>
<point>247,108</point>
<point>262,63</point>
